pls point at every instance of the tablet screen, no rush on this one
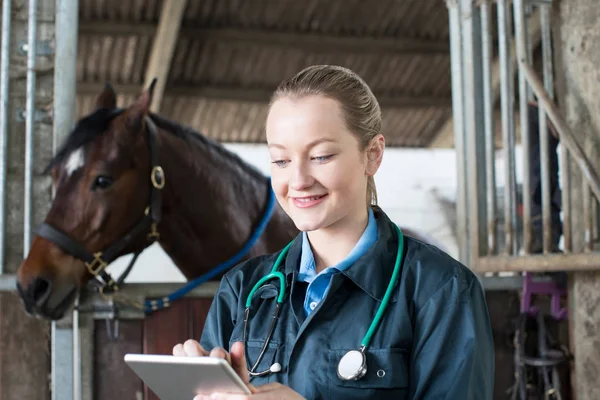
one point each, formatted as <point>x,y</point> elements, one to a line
<point>176,378</point>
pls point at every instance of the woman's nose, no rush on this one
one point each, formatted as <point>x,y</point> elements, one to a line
<point>301,177</point>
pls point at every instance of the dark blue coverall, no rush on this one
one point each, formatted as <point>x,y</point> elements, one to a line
<point>434,341</point>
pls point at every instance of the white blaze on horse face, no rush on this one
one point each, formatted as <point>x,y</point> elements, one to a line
<point>76,160</point>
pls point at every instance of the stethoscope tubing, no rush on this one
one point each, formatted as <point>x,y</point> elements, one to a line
<point>275,274</point>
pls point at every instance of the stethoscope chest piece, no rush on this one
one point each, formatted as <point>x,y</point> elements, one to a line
<point>352,366</point>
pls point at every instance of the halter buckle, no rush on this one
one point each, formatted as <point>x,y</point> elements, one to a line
<point>157,177</point>
<point>97,264</point>
<point>153,235</point>
<point>108,289</point>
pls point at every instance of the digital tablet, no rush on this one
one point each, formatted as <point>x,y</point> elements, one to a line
<point>182,378</point>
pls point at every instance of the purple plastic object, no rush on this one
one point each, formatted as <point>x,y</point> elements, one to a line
<point>550,288</point>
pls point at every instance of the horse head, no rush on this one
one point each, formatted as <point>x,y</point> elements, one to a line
<point>101,180</point>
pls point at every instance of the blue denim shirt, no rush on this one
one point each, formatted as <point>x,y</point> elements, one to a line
<point>433,342</point>
<point>319,283</point>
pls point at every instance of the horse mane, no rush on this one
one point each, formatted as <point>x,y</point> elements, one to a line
<point>191,136</point>
<point>97,123</point>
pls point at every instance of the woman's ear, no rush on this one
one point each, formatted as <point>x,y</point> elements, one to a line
<point>374,154</point>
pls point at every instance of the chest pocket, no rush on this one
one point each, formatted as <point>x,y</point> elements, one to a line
<point>271,355</point>
<point>387,376</point>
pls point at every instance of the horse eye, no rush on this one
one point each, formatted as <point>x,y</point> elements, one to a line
<point>102,182</point>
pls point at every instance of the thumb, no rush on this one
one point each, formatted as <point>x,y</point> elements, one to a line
<point>238,361</point>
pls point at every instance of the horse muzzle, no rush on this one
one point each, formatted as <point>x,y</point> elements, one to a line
<point>41,301</point>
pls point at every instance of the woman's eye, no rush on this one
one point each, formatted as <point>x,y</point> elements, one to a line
<point>323,159</point>
<point>102,182</point>
<point>280,163</point>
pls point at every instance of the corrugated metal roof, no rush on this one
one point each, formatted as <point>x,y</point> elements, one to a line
<point>230,55</point>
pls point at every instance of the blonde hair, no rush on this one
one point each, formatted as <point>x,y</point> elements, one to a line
<point>360,109</point>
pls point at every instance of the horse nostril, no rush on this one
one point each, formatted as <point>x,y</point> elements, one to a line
<point>39,290</point>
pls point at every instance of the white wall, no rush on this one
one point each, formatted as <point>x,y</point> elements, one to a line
<point>405,185</point>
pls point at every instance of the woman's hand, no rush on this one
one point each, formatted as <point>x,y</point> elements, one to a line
<point>190,348</point>
<point>270,391</point>
<point>236,359</point>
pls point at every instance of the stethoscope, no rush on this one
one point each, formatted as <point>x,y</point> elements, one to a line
<point>353,365</point>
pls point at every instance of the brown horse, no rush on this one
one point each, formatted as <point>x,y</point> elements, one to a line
<point>126,177</point>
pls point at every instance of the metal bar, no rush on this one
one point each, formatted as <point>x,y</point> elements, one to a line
<point>512,133</point>
<point>539,263</point>
<point>564,158</point>
<point>594,221</point>
<point>545,22</point>
<point>76,353</point>
<point>4,84</point>
<point>66,365</point>
<point>564,132</point>
<point>490,137</point>
<point>528,11</point>
<point>545,176</point>
<point>544,136</point>
<point>8,283</point>
<point>65,77</point>
<point>29,122</point>
<point>587,216</point>
<point>522,56</point>
<point>565,172</point>
<point>132,290</point>
<point>472,85</point>
<point>459,132</point>
<point>507,121</point>
<point>62,361</point>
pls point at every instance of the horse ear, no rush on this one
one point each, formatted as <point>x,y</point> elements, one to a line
<point>141,107</point>
<point>107,99</point>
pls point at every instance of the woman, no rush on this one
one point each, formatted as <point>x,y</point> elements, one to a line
<point>434,337</point>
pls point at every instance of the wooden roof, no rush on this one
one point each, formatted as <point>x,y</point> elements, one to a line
<point>219,60</point>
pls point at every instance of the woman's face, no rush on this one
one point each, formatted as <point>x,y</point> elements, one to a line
<point>318,172</point>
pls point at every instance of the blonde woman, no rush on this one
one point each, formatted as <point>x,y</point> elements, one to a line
<point>366,313</point>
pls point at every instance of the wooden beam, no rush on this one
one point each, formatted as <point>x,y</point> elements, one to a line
<point>259,95</point>
<point>306,41</point>
<point>445,136</point>
<point>163,48</point>
<point>589,261</point>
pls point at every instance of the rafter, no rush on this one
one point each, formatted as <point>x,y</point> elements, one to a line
<point>163,48</point>
<point>309,41</point>
<point>260,95</point>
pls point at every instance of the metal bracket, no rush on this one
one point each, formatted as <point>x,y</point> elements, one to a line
<point>39,115</point>
<point>42,48</point>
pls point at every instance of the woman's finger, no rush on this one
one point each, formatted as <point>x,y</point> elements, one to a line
<point>220,353</point>
<point>193,349</point>
<point>178,350</point>
<point>238,361</point>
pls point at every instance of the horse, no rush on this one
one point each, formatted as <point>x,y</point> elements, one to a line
<point>126,177</point>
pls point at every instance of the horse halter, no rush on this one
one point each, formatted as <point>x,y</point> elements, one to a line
<point>97,262</point>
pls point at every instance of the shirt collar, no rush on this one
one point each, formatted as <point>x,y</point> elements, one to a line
<point>373,270</point>
<point>307,271</point>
